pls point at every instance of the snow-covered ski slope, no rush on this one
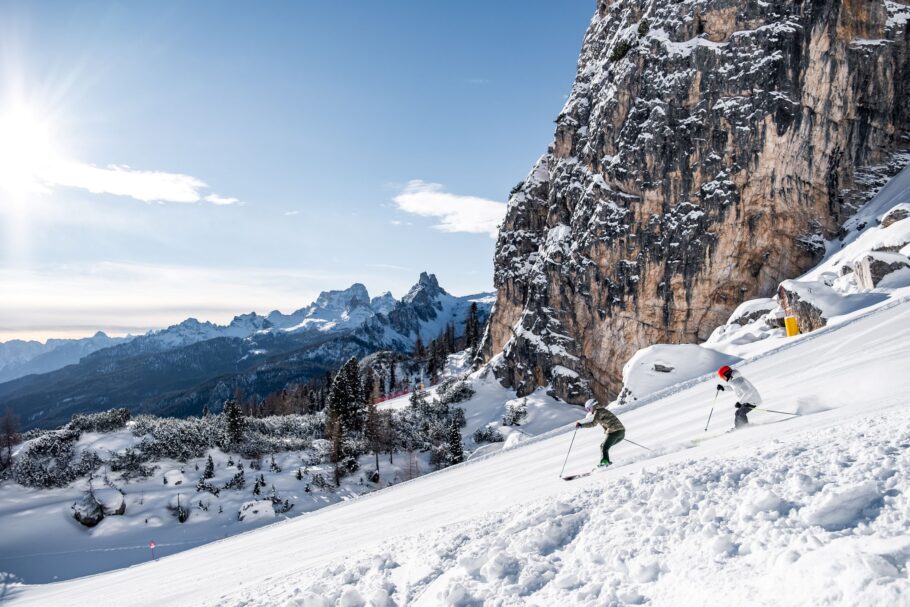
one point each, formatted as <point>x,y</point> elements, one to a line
<point>813,510</point>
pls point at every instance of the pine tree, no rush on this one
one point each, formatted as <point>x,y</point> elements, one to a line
<point>472,330</point>
<point>419,351</point>
<point>456,448</point>
<point>205,410</point>
<point>233,421</point>
<point>299,475</point>
<point>373,431</point>
<point>239,479</point>
<point>450,338</point>
<point>209,471</point>
<point>393,381</point>
<point>346,399</point>
<point>9,434</point>
<point>367,386</point>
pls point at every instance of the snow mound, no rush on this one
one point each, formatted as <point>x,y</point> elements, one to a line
<point>657,367</point>
<point>111,501</point>
<point>841,508</point>
<point>255,510</point>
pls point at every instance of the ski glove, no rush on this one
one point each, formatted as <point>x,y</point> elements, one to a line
<point>578,424</point>
<point>720,388</point>
<point>738,405</point>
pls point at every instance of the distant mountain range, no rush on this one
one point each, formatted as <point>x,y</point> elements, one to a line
<point>178,370</point>
<point>19,358</point>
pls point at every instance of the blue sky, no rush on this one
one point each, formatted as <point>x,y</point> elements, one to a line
<point>215,158</point>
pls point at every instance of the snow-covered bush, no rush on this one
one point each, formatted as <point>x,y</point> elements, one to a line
<point>516,410</point>
<point>454,391</point>
<point>488,434</point>
<point>204,485</point>
<point>131,464</point>
<point>50,460</point>
<point>104,421</point>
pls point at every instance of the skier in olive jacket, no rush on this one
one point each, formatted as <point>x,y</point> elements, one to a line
<point>611,425</point>
<point>747,396</point>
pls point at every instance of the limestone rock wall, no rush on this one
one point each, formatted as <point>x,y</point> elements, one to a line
<point>707,149</point>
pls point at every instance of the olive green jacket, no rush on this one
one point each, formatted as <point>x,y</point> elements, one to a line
<point>606,419</point>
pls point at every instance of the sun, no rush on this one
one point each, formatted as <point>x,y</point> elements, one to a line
<point>27,150</point>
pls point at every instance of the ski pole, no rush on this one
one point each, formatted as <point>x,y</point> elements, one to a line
<point>773,411</point>
<point>568,452</point>
<point>716,392</point>
<point>637,445</point>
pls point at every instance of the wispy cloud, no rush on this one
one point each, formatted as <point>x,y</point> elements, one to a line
<point>221,200</point>
<point>32,162</point>
<point>456,213</point>
<point>118,180</point>
<point>291,213</point>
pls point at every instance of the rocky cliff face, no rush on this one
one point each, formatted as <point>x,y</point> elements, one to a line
<point>707,150</point>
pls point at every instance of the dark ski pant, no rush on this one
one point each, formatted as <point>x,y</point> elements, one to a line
<point>742,411</point>
<point>611,439</point>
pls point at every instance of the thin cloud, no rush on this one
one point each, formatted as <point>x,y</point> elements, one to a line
<point>147,186</point>
<point>221,200</point>
<point>291,213</point>
<point>456,213</point>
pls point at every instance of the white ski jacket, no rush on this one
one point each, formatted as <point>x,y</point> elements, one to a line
<point>745,391</point>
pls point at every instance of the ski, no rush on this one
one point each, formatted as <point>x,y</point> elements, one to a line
<point>572,477</point>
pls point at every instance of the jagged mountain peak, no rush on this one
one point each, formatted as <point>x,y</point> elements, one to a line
<point>346,299</point>
<point>383,304</point>
<point>427,288</point>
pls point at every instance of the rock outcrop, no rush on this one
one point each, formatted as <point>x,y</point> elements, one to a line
<point>874,267</point>
<point>707,150</point>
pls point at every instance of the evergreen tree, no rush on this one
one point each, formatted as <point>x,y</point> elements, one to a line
<point>419,351</point>
<point>450,338</point>
<point>367,386</point>
<point>209,471</point>
<point>205,410</point>
<point>373,431</point>
<point>239,480</point>
<point>472,330</point>
<point>346,399</point>
<point>233,421</point>
<point>456,448</point>
<point>393,381</point>
<point>9,435</point>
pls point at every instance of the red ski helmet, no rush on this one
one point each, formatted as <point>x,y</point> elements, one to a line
<point>724,370</point>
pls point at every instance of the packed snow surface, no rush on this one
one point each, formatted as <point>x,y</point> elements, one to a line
<point>791,511</point>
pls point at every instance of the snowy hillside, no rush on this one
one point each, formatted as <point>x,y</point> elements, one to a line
<point>41,542</point>
<point>793,511</point>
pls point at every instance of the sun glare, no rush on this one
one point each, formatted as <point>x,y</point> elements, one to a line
<point>27,150</point>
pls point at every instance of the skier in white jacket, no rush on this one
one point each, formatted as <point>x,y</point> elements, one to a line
<point>747,396</point>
